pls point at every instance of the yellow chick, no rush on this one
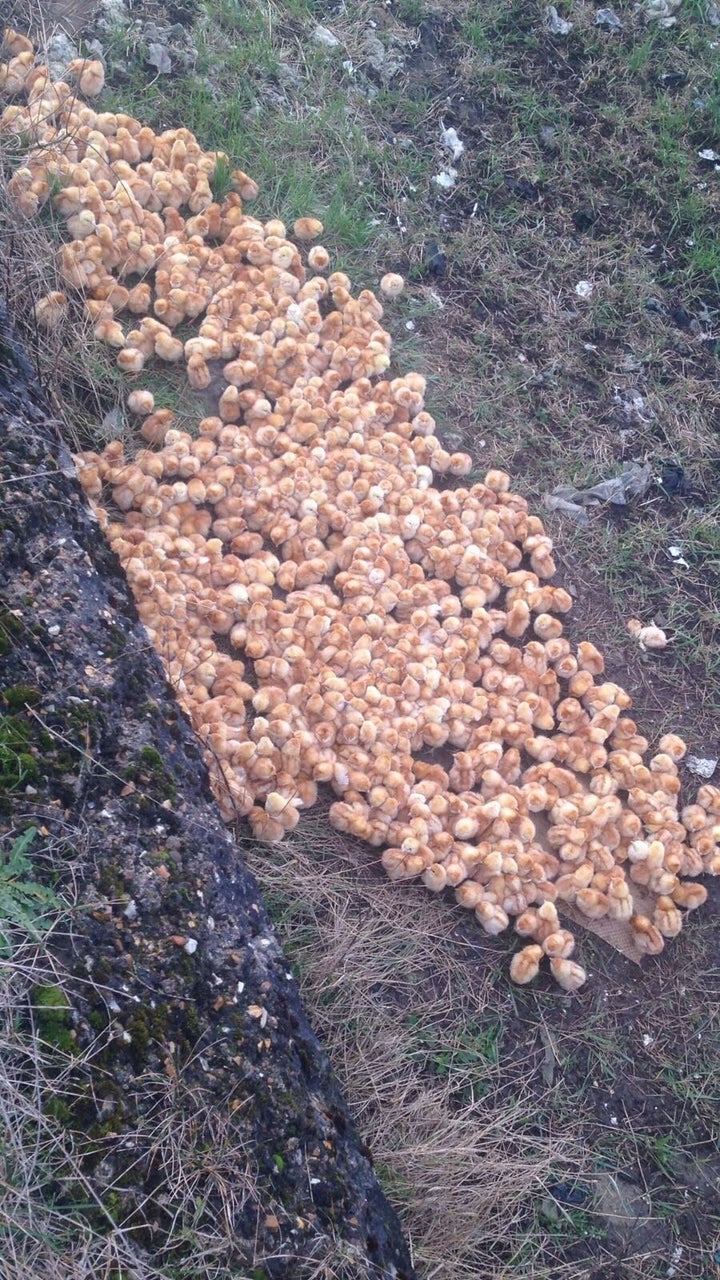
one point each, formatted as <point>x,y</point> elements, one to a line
<point>51,310</point>
<point>568,975</point>
<point>648,637</point>
<point>525,964</point>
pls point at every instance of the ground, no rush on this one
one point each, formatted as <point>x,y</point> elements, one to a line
<point>521,1133</point>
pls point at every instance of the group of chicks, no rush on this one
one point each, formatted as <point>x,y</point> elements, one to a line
<point>326,614</point>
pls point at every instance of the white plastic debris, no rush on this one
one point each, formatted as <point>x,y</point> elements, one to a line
<point>608,18</point>
<point>647,1040</point>
<point>321,35</point>
<point>712,15</point>
<point>700,766</point>
<point>584,288</point>
<point>709,154</point>
<point>558,26</point>
<point>662,11</point>
<point>676,555</point>
<point>632,408</point>
<point>633,481</point>
<point>672,1270</point>
<point>446,179</point>
<point>451,141</point>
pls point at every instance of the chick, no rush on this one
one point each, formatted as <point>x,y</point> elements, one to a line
<point>560,944</point>
<point>689,896</point>
<point>648,938</point>
<point>648,637</point>
<point>667,918</point>
<point>525,964</point>
<point>392,285</point>
<point>568,975</point>
<point>89,75</point>
<point>141,403</point>
<point>318,258</point>
<point>308,228</point>
<point>51,310</point>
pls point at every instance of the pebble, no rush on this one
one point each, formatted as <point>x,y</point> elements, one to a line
<point>321,35</point>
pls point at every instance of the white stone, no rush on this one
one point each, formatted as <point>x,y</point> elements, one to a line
<point>321,35</point>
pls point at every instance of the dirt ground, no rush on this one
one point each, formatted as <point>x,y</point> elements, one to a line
<point>581,162</point>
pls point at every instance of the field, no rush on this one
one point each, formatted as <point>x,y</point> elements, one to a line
<point>521,1133</point>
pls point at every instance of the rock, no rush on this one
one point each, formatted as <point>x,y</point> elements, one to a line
<point>288,76</point>
<point>60,52</point>
<point>321,35</point>
<point>662,11</point>
<point>673,479</point>
<point>384,61</point>
<point>179,1054</point>
<point>434,260</point>
<point>627,1216</point>
<point>113,14</point>
<point>584,218</point>
<point>158,56</point>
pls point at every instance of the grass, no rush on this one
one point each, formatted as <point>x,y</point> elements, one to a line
<point>419,1050</point>
<point>581,162</point>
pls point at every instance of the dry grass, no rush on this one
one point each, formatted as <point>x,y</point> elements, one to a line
<point>412,1033</point>
<point>44,1233</point>
<point>72,1205</point>
<point>77,373</point>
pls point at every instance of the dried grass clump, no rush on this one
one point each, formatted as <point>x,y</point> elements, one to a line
<point>325,612</point>
<point>415,1045</point>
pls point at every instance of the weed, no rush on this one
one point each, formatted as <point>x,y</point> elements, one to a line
<point>25,904</point>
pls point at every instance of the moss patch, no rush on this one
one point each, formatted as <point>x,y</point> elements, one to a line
<point>53,1017</point>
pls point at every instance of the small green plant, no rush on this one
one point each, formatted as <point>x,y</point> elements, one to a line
<point>24,902</point>
<point>221,180</point>
<point>463,1057</point>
